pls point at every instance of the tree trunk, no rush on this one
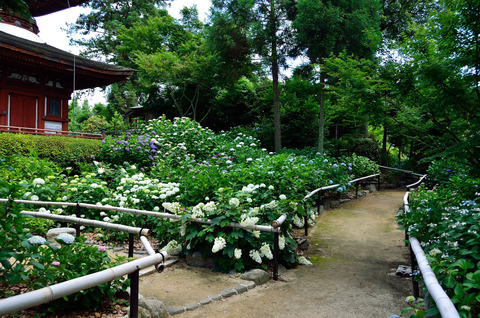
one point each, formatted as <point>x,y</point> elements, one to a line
<point>384,145</point>
<point>365,129</point>
<point>275,70</point>
<point>321,125</point>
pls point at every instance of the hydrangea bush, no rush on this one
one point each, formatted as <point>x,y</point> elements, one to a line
<point>30,262</point>
<point>446,220</point>
<point>191,171</point>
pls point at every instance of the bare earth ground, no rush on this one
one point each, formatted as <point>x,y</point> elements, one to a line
<point>355,250</point>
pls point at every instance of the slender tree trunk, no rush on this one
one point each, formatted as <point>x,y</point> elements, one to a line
<point>275,71</point>
<point>384,145</point>
<point>365,129</point>
<point>321,125</point>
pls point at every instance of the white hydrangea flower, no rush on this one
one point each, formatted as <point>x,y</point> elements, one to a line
<point>303,261</point>
<point>67,238</point>
<point>298,222</point>
<point>36,240</point>
<point>238,253</point>
<point>282,197</point>
<point>43,210</point>
<point>171,247</point>
<point>256,234</point>
<point>248,220</point>
<point>255,255</point>
<point>270,187</point>
<point>281,242</point>
<point>197,211</point>
<point>435,252</point>
<point>38,182</point>
<point>234,202</point>
<point>101,170</point>
<point>265,251</point>
<point>173,207</point>
<point>210,206</point>
<point>219,244</point>
<point>34,197</point>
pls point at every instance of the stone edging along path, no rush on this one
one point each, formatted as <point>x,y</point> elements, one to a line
<point>239,289</point>
<point>253,278</point>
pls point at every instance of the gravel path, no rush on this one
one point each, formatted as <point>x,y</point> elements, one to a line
<point>355,250</point>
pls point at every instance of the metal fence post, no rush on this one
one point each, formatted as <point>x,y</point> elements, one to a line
<point>276,248</point>
<point>134,283</point>
<point>130,244</point>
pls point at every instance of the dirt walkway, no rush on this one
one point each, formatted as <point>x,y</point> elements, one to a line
<point>355,250</point>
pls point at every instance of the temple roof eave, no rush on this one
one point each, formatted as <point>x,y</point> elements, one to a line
<point>43,7</point>
<point>42,57</point>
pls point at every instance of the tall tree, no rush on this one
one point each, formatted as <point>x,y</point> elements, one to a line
<point>172,60</point>
<point>324,28</point>
<point>438,82</point>
<point>100,30</point>
<point>264,25</point>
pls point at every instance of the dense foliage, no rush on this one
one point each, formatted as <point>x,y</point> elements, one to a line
<point>64,151</point>
<point>186,169</point>
<point>29,262</point>
<point>446,220</point>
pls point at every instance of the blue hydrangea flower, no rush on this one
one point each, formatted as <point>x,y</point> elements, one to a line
<point>34,240</point>
<point>67,238</point>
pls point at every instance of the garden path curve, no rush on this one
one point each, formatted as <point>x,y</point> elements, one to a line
<point>355,250</point>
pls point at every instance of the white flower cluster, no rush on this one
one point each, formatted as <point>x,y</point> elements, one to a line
<point>265,251</point>
<point>219,244</point>
<point>248,220</point>
<point>237,253</point>
<point>255,255</point>
<point>173,207</point>
<point>435,252</point>
<point>172,246</point>
<point>210,206</point>
<point>36,240</point>
<point>43,210</point>
<point>251,188</point>
<point>38,182</point>
<point>298,222</point>
<point>67,238</point>
<point>303,261</point>
<point>281,242</point>
<point>269,206</point>
<point>197,211</point>
<point>234,202</point>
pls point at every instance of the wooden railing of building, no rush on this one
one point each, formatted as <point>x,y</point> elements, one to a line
<point>49,132</point>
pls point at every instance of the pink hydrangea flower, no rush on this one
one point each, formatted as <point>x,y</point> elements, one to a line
<point>55,263</point>
<point>102,248</point>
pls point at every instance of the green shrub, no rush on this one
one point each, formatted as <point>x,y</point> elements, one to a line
<point>64,151</point>
<point>446,220</point>
<point>30,262</point>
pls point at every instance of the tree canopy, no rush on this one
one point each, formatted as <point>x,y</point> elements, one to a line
<point>403,75</point>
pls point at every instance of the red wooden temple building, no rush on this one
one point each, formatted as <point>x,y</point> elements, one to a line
<point>36,79</point>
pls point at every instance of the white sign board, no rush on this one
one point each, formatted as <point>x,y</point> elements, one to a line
<point>52,126</point>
